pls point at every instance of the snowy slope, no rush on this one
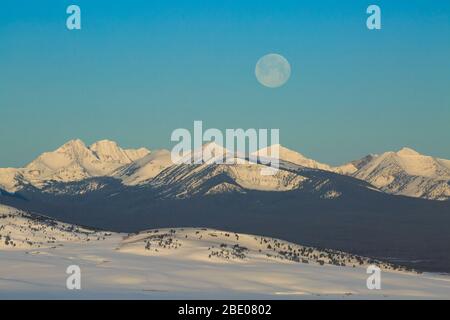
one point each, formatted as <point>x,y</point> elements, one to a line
<point>144,169</point>
<point>291,156</point>
<point>407,173</point>
<point>150,166</point>
<point>351,167</point>
<point>21,230</point>
<point>187,263</point>
<point>109,152</point>
<point>188,180</point>
<point>11,179</point>
<point>210,152</point>
<point>205,244</point>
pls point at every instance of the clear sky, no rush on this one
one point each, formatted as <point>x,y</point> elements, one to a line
<point>137,70</point>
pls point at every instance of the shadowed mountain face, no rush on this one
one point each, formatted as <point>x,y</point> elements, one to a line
<point>325,210</point>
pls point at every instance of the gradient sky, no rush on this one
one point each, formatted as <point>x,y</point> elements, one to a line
<point>140,69</point>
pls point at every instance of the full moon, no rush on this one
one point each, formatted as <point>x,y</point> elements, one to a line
<point>272,70</point>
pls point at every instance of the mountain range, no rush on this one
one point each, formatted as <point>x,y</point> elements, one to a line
<point>73,161</point>
<point>382,206</point>
<point>405,172</point>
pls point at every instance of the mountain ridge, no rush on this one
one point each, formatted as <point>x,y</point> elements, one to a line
<point>73,161</point>
<point>405,172</point>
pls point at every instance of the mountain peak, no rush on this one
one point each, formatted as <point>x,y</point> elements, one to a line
<point>105,148</point>
<point>291,156</point>
<point>74,161</point>
<point>103,142</point>
<point>74,143</point>
<point>267,151</point>
<point>407,152</point>
<point>212,145</point>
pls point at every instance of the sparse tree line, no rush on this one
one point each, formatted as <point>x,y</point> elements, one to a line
<point>271,248</point>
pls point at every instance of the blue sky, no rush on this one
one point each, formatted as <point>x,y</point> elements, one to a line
<point>140,69</point>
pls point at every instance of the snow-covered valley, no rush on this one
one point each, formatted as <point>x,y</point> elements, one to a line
<point>186,263</point>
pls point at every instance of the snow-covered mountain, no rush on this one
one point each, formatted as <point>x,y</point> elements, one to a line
<point>110,152</point>
<point>293,157</point>
<point>211,176</point>
<point>405,172</point>
<point>73,161</point>
<point>144,169</point>
<point>401,173</point>
<point>351,167</point>
<point>208,153</point>
<point>184,178</point>
<point>187,180</point>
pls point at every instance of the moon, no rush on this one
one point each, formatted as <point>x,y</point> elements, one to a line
<point>272,70</point>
